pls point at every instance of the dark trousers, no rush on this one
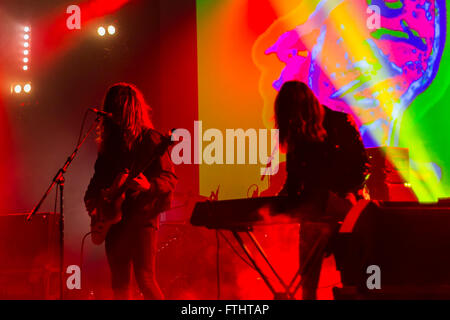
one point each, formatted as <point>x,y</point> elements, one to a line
<point>315,238</point>
<point>129,244</point>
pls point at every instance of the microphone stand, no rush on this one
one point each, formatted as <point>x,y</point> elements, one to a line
<point>269,164</point>
<point>59,180</point>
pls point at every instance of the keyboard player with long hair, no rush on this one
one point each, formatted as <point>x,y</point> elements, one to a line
<point>325,160</point>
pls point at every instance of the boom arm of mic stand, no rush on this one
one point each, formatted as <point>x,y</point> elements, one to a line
<point>61,171</point>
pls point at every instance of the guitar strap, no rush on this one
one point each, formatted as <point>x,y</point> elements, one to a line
<point>142,161</point>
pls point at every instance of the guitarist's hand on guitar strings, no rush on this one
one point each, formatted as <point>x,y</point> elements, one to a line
<point>140,183</point>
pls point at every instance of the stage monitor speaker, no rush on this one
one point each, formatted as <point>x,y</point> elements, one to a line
<point>29,256</point>
<point>408,241</point>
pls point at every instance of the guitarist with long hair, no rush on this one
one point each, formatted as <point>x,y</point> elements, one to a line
<point>133,182</point>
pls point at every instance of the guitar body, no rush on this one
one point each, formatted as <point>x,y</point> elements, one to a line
<point>109,209</point>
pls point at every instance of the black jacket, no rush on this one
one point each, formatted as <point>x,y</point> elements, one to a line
<point>160,173</point>
<point>339,164</point>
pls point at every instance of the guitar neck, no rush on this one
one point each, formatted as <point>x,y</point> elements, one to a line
<point>159,151</point>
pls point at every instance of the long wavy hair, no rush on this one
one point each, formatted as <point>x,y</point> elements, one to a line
<point>298,114</point>
<point>131,116</point>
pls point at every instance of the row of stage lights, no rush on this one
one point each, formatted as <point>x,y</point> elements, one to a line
<point>18,88</point>
<point>24,87</point>
<point>26,45</point>
<point>102,30</point>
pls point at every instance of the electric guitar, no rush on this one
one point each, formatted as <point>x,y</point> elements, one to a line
<point>108,210</point>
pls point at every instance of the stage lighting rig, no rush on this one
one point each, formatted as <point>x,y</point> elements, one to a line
<point>21,83</point>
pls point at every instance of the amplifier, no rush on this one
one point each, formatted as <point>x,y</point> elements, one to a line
<point>29,256</point>
<point>408,241</point>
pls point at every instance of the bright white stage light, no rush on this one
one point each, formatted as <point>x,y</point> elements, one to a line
<point>26,29</point>
<point>101,31</point>
<point>111,30</point>
<point>26,52</point>
<point>25,60</point>
<point>17,88</point>
<point>27,88</point>
<point>25,68</point>
<point>26,44</point>
<point>26,37</point>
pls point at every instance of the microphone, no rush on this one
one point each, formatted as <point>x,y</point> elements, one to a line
<point>101,113</point>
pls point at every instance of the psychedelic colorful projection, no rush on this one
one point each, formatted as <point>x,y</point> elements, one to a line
<point>377,74</point>
<point>373,73</point>
<point>377,77</point>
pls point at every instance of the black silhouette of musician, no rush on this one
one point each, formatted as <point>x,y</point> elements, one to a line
<point>127,142</point>
<point>325,157</point>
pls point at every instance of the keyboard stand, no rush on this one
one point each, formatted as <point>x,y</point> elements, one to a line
<point>316,252</point>
<point>255,264</point>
